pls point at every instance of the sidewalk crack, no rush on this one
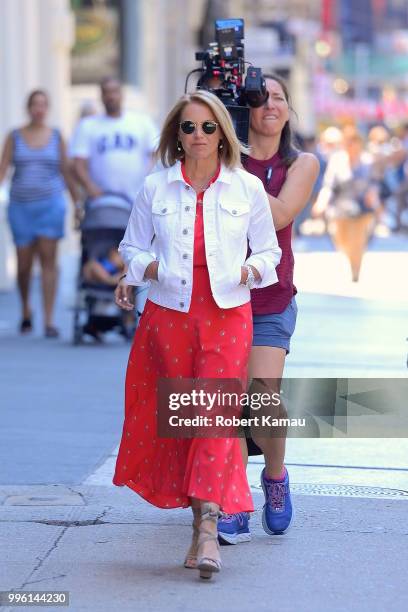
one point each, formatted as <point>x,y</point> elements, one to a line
<point>41,560</point>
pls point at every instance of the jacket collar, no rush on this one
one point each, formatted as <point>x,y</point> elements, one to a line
<point>174,174</point>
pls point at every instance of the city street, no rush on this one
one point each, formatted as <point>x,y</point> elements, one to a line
<point>64,526</point>
<point>311,99</point>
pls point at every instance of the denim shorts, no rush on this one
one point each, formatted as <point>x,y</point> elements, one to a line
<point>37,219</point>
<point>275,329</point>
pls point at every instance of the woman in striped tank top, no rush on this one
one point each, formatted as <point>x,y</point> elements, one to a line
<point>37,204</point>
<point>288,176</point>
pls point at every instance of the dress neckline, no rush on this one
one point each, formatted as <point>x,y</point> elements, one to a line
<point>212,180</point>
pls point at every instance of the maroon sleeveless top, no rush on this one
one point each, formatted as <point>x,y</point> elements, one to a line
<point>274,298</point>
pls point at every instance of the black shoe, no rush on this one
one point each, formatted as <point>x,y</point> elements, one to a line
<point>26,326</point>
<point>51,332</point>
<point>92,331</point>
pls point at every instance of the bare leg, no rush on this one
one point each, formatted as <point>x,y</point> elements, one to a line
<point>267,363</point>
<point>359,242</point>
<point>351,237</point>
<point>341,236</point>
<point>208,556</point>
<point>47,252</point>
<point>25,258</point>
<point>190,561</point>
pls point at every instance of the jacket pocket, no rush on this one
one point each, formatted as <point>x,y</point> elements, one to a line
<point>234,218</point>
<point>164,218</point>
<point>166,277</point>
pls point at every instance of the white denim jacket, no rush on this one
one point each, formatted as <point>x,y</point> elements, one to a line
<point>161,226</point>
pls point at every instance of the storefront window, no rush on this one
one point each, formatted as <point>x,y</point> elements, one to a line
<point>97,49</point>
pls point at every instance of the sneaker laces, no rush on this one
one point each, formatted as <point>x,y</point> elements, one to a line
<point>228,518</point>
<point>276,495</point>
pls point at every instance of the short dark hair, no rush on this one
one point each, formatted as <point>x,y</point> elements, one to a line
<point>109,79</point>
<point>33,94</point>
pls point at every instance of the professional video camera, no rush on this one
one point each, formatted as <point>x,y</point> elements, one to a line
<point>222,73</point>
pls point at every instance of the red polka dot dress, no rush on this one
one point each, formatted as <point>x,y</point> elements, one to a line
<point>206,342</point>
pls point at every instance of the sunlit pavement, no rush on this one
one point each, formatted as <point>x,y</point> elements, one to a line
<point>345,328</point>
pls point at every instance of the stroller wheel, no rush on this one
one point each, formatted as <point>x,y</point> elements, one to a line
<point>77,337</point>
<point>92,331</point>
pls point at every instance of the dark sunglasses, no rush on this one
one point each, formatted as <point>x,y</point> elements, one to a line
<point>208,127</point>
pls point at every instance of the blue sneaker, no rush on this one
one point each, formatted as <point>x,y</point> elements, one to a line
<point>277,512</point>
<point>234,528</point>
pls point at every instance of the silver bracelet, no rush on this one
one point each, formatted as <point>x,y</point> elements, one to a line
<point>251,280</point>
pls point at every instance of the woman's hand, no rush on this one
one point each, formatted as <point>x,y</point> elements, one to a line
<point>124,295</point>
<point>79,213</point>
<point>94,191</point>
<point>244,275</point>
<point>151,271</point>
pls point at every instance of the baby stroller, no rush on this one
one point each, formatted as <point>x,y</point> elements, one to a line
<point>95,311</point>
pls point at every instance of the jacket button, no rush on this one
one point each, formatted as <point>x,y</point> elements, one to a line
<point>234,212</point>
<point>187,187</point>
<point>187,208</point>
<point>164,210</point>
<point>184,282</point>
<point>185,231</point>
<point>181,304</point>
<point>185,256</point>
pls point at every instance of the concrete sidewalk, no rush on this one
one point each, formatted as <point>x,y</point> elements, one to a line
<point>113,551</point>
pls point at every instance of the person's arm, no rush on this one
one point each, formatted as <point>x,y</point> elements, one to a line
<point>81,151</point>
<point>67,173</point>
<point>265,251</point>
<point>136,246</point>
<point>6,157</point>
<point>93,271</point>
<point>326,192</point>
<point>296,190</point>
<point>82,173</point>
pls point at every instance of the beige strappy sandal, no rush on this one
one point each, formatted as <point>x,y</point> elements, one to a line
<point>190,562</point>
<point>207,566</point>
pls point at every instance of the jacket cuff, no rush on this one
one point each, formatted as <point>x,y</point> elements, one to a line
<point>267,273</point>
<point>137,267</point>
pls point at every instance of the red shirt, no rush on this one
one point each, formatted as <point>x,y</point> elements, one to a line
<point>274,298</point>
<point>199,244</point>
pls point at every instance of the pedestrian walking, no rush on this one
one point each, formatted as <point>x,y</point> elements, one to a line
<point>36,211</point>
<point>288,177</point>
<point>197,322</point>
<point>350,198</point>
<point>113,152</point>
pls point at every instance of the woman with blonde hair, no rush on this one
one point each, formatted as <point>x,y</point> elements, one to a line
<point>188,235</point>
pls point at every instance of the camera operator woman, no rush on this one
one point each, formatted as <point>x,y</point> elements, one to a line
<point>197,323</point>
<point>288,177</point>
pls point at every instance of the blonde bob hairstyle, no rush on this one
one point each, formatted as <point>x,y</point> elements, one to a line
<point>230,154</point>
